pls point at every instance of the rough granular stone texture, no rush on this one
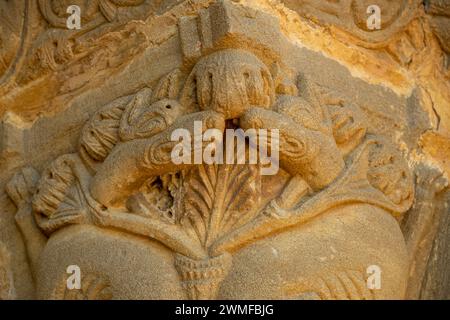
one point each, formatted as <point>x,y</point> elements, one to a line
<point>354,203</point>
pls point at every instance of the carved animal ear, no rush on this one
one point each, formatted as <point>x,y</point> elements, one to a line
<point>168,87</point>
<point>188,95</point>
<point>140,119</point>
<point>136,106</point>
<point>269,87</point>
<point>50,15</point>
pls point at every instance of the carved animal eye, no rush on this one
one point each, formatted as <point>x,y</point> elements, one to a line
<point>168,106</point>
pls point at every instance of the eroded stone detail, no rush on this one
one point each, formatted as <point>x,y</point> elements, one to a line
<point>7,289</point>
<point>93,287</point>
<point>351,16</point>
<point>207,211</point>
<point>332,210</point>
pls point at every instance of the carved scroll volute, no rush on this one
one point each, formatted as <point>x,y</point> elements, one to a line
<point>55,12</point>
<point>50,15</point>
<point>350,16</point>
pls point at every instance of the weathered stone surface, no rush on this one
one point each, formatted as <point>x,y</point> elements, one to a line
<point>88,178</point>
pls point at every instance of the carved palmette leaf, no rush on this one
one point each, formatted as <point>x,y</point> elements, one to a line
<point>168,86</point>
<point>219,198</point>
<point>72,210</point>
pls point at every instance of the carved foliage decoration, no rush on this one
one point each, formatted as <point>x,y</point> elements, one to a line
<point>122,175</point>
<point>204,212</point>
<point>351,16</point>
<point>219,198</point>
<point>55,12</point>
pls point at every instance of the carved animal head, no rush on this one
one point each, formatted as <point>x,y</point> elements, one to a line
<point>302,112</point>
<point>389,173</point>
<point>229,82</point>
<point>349,126</point>
<point>143,121</point>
